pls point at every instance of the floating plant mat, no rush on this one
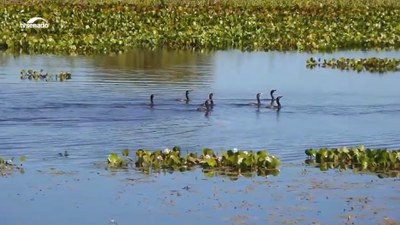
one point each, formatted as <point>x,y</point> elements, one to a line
<point>373,65</point>
<point>40,75</point>
<point>265,26</point>
<point>7,167</point>
<point>360,159</point>
<point>231,163</point>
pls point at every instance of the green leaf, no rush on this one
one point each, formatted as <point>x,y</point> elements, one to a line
<point>113,158</point>
<point>21,159</point>
<point>210,162</point>
<point>125,152</point>
<point>208,151</point>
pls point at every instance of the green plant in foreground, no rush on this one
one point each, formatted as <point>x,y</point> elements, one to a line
<point>232,161</point>
<point>8,166</point>
<point>358,158</point>
<point>373,65</point>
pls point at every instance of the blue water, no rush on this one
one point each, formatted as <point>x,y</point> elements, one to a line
<point>103,107</point>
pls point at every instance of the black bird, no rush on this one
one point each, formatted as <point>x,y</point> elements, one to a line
<point>272,95</point>
<point>210,100</point>
<point>258,103</point>
<point>210,97</point>
<point>205,107</point>
<point>151,100</point>
<point>278,105</point>
<point>272,99</point>
<point>186,99</point>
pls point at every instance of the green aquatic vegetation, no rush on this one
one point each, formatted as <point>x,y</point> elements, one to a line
<point>115,161</point>
<point>113,27</point>
<point>373,65</point>
<point>357,158</point>
<point>231,161</point>
<point>7,167</point>
<point>40,75</point>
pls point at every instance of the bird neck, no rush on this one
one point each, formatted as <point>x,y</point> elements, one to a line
<point>272,95</point>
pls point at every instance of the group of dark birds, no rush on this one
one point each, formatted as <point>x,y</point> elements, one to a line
<point>209,102</point>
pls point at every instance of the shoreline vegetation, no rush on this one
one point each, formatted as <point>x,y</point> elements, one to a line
<point>91,27</point>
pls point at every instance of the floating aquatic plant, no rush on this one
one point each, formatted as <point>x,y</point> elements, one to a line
<point>40,75</point>
<point>8,166</point>
<point>373,65</point>
<point>357,158</point>
<point>231,161</point>
<point>115,161</point>
<point>197,25</point>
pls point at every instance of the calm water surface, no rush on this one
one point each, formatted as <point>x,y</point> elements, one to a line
<point>103,107</point>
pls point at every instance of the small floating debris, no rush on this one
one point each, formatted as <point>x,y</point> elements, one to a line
<point>65,154</point>
<point>40,75</point>
<point>372,65</point>
<point>231,162</point>
<point>381,161</point>
<point>187,187</point>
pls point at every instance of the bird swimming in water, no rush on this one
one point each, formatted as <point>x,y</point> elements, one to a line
<point>210,98</point>
<point>186,99</point>
<point>205,107</point>
<point>151,100</point>
<point>271,93</point>
<point>278,105</point>
<point>258,103</point>
<point>272,99</point>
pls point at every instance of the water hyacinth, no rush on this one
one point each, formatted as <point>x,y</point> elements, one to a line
<point>167,151</point>
<point>235,161</point>
<point>36,75</point>
<point>117,26</point>
<point>372,65</point>
<point>357,158</point>
<point>8,166</point>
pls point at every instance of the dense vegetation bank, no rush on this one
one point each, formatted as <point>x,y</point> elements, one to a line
<point>88,27</point>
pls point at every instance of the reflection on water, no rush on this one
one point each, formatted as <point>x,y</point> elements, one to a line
<point>152,67</point>
<point>105,108</point>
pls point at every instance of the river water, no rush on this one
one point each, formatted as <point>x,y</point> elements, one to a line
<point>104,108</point>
